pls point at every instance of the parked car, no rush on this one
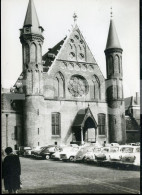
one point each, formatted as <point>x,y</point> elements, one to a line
<point>69,153</point>
<point>46,152</point>
<point>123,154</point>
<point>114,153</point>
<point>93,155</point>
<point>80,156</point>
<point>131,155</point>
<point>37,149</point>
<point>62,149</point>
<point>105,153</point>
<point>24,151</point>
<point>56,155</point>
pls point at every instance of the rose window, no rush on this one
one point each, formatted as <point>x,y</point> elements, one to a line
<point>78,86</point>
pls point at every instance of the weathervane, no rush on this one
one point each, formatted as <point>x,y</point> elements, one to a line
<point>75,17</point>
<point>111,13</point>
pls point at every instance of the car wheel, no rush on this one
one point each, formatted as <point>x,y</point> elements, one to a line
<point>47,157</point>
<point>71,158</point>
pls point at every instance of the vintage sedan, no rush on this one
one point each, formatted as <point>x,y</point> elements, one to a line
<point>24,151</point>
<point>46,152</point>
<point>80,156</point>
<point>56,155</point>
<point>94,155</point>
<point>131,155</point>
<point>69,153</point>
<point>114,153</point>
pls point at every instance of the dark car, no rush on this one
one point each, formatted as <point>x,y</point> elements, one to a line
<point>46,152</point>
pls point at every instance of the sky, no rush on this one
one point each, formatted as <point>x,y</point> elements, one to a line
<point>56,17</point>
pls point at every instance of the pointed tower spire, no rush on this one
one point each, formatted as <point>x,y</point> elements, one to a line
<point>112,41</point>
<point>31,18</point>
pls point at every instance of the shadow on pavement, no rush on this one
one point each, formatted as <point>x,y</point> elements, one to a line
<point>71,189</point>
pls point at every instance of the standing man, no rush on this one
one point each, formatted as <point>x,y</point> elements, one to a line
<point>11,171</point>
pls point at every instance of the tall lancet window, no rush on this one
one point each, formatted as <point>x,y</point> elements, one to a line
<point>56,123</point>
<point>110,66</point>
<point>96,93</point>
<point>101,123</point>
<point>59,85</point>
<point>116,64</point>
<point>39,53</point>
<point>33,52</point>
<point>26,54</point>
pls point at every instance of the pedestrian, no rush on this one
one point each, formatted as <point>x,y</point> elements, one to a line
<point>11,171</point>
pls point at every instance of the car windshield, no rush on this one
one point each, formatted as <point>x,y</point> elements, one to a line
<point>127,150</point>
<point>115,149</point>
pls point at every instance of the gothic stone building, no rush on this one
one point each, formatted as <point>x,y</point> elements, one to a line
<point>62,96</point>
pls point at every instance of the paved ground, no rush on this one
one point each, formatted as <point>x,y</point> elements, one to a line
<point>47,176</point>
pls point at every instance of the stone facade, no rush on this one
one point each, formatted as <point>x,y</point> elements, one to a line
<point>66,97</point>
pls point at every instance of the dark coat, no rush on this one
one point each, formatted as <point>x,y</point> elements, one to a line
<point>11,172</point>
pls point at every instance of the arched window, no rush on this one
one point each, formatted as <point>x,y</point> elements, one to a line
<point>39,53</point>
<point>120,65</point>
<point>33,53</point>
<point>110,67</point>
<point>116,64</point>
<point>96,92</point>
<point>26,54</point>
<point>59,85</point>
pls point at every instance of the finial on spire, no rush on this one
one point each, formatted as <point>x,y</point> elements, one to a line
<point>88,105</point>
<point>111,13</point>
<point>75,17</point>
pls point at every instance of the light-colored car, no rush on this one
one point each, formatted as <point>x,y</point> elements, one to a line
<point>80,156</point>
<point>93,155</point>
<point>56,155</point>
<point>114,153</point>
<point>125,154</point>
<point>69,153</point>
<point>62,149</point>
<point>131,155</point>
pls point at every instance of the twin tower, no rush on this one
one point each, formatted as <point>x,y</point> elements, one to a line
<point>32,39</point>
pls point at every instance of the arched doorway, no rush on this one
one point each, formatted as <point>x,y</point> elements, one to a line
<point>89,130</point>
<point>84,127</point>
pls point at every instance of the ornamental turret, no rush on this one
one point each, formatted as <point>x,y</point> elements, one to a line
<point>32,40</point>
<point>114,87</point>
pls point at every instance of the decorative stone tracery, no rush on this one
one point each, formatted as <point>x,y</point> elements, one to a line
<point>78,86</point>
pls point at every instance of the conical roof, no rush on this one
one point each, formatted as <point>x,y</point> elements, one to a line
<point>112,40</point>
<point>31,17</point>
